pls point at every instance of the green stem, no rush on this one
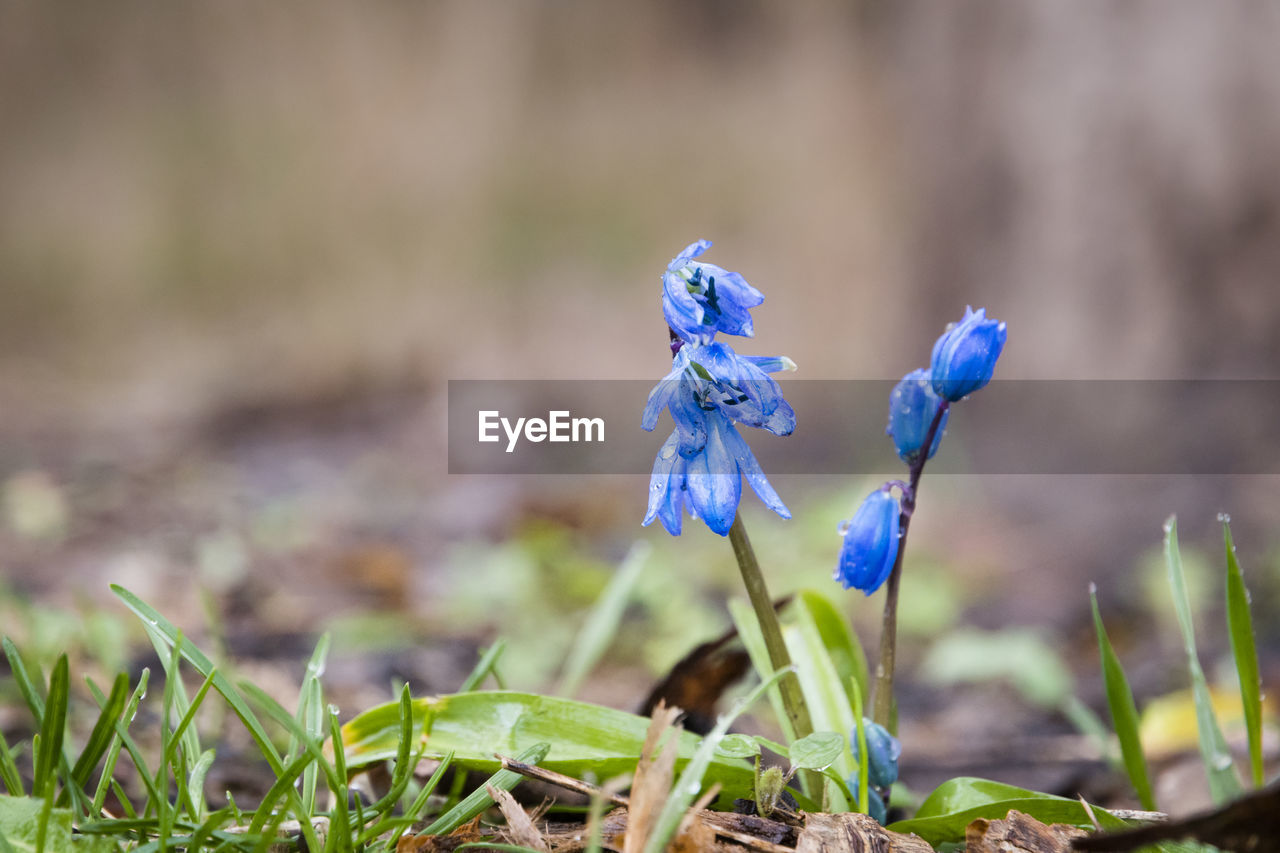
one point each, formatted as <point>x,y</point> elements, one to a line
<point>792,698</point>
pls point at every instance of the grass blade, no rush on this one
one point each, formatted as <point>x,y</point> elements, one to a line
<point>151,618</point>
<point>103,731</point>
<point>601,625</point>
<point>479,799</point>
<point>9,770</point>
<point>1245,652</point>
<point>52,729</point>
<point>1124,712</point>
<point>487,663</point>
<point>1223,783</point>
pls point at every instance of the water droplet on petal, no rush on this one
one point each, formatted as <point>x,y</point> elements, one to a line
<point>843,527</point>
<point>668,451</point>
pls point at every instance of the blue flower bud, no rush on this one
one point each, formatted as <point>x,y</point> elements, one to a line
<point>870,543</point>
<point>700,299</point>
<point>883,751</point>
<point>965,356</point>
<point>912,408</point>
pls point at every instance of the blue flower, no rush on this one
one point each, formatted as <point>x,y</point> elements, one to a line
<point>912,408</point>
<point>870,543</point>
<point>707,481</point>
<point>713,376</point>
<point>700,299</point>
<point>965,356</point>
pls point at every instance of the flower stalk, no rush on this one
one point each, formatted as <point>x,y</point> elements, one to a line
<point>753,579</point>
<point>883,700</point>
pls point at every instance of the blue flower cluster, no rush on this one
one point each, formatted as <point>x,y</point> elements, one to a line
<point>710,390</point>
<point>964,359</point>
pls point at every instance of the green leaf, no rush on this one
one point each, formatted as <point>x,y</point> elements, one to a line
<point>1124,712</point>
<point>842,645</point>
<point>1245,652</point>
<point>1223,783</point>
<point>956,803</point>
<point>818,751</point>
<point>20,825</point>
<point>748,627</point>
<point>583,737</point>
<point>738,746</point>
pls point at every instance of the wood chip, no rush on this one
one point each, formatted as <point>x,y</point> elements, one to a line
<point>1019,833</point>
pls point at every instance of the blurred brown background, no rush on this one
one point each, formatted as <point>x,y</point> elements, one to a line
<point>242,246</point>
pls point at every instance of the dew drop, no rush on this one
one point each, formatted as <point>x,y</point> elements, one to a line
<point>1225,518</point>
<point>668,452</point>
<point>1221,761</point>
<point>843,527</point>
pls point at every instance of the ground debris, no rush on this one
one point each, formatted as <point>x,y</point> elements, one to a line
<point>1019,833</point>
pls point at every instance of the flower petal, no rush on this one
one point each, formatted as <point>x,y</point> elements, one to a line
<point>751,470</point>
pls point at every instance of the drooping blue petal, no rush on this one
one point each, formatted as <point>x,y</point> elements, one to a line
<point>964,357</point>
<point>750,468</point>
<point>659,399</point>
<point>770,363</point>
<point>667,487</point>
<point>714,483</point>
<point>912,408</point>
<point>870,543</point>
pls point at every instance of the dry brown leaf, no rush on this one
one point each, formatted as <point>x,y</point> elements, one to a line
<point>520,827</point>
<point>1019,833</point>
<point>653,779</point>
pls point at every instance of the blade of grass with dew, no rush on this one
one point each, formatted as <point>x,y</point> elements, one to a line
<point>488,663</point>
<point>403,771</point>
<point>184,767</point>
<point>340,822</point>
<point>277,713</point>
<point>479,799</point>
<point>192,655</point>
<point>101,736</point>
<point>689,784</point>
<point>744,619</point>
<point>52,729</point>
<point>416,808</point>
<point>202,664</point>
<point>120,723</point>
<point>601,625</point>
<point>36,704</point>
<point>175,700</point>
<point>1223,783</point>
<point>1124,712</point>
<point>1244,651</point>
<point>310,715</point>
